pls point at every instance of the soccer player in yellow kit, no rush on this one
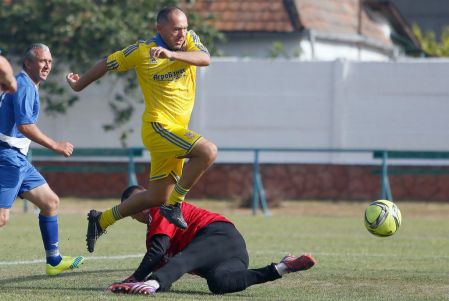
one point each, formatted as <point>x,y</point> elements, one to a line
<point>166,71</point>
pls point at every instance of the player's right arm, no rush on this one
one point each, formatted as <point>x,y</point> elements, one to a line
<point>78,83</point>
<point>119,61</point>
<point>7,80</point>
<point>159,245</point>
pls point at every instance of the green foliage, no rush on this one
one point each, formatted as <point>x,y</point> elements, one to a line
<point>79,32</point>
<point>429,42</point>
<point>278,50</point>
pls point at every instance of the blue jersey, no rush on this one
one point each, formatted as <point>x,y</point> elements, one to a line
<point>21,107</point>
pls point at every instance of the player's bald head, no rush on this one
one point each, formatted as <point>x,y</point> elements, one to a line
<point>163,16</point>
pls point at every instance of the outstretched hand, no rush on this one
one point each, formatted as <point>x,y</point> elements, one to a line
<point>72,80</point>
<point>136,288</point>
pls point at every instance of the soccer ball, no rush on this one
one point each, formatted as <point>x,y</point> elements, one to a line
<point>382,218</point>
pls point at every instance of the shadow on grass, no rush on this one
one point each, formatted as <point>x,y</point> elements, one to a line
<point>69,274</point>
<point>186,292</point>
<point>197,292</point>
<point>23,279</point>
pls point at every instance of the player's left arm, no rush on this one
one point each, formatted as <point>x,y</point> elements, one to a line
<point>32,132</point>
<point>23,102</point>
<point>194,53</point>
<point>197,58</point>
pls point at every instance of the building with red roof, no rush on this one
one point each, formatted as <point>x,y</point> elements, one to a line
<point>310,29</point>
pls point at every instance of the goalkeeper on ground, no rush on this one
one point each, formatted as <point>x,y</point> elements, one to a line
<point>211,247</point>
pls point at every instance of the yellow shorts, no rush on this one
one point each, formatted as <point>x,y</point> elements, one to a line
<point>167,145</point>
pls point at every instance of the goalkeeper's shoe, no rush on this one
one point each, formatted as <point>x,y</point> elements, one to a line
<point>135,288</point>
<point>173,214</point>
<point>67,263</point>
<point>301,263</point>
<point>94,230</point>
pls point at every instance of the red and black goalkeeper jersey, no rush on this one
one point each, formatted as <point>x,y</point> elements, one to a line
<point>196,218</point>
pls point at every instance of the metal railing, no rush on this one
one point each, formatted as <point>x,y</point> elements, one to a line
<point>129,153</point>
<point>258,199</point>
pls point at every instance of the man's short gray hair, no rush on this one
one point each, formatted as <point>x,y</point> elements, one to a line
<point>29,53</point>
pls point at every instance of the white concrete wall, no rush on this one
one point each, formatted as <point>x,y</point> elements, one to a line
<point>330,50</point>
<point>301,48</point>
<point>268,103</point>
<point>259,45</point>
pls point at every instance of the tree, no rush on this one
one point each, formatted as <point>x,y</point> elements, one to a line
<point>77,32</point>
<point>429,41</point>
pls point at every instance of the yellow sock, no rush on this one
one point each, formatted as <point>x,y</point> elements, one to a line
<point>109,217</point>
<point>178,195</point>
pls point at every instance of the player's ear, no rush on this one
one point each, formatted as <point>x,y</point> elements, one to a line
<point>26,64</point>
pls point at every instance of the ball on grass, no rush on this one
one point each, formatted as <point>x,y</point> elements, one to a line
<point>382,218</point>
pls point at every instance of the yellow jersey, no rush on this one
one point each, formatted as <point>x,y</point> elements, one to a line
<point>168,86</point>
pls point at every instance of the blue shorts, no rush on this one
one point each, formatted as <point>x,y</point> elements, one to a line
<point>17,176</point>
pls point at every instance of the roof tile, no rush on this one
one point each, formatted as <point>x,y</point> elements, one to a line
<point>248,15</point>
<point>327,16</point>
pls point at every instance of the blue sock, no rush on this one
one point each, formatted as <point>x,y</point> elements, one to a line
<point>49,231</point>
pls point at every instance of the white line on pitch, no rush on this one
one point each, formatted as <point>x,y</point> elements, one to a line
<point>86,258</point>
<point>254,253</point>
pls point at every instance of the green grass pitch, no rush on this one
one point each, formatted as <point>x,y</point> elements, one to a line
<point>352,264</point>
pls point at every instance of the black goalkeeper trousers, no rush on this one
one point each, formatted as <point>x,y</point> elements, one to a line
<point>217,253</point>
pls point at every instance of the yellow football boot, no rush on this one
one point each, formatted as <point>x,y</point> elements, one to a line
<point>67,263</point>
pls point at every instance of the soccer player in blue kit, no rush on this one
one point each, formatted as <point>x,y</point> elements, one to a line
<point>18,116</point>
